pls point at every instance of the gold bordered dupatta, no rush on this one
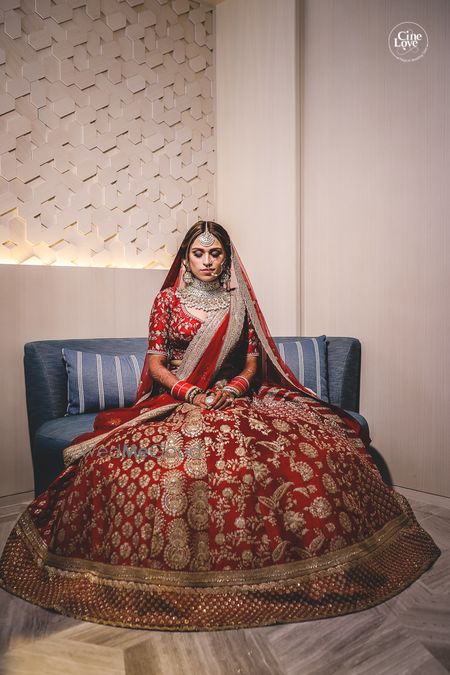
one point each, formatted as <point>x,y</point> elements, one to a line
<point>274,370</point>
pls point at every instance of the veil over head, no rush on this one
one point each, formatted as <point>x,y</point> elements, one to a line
<point>207,355</point>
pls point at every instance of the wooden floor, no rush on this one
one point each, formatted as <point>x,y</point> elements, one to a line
<point>409,634</point>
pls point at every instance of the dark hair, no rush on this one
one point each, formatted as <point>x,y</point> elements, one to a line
<point>215,229</point>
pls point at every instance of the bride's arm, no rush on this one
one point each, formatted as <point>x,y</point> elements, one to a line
<point>157,365</point>
<point>158,347</point>
<point>250,368</point>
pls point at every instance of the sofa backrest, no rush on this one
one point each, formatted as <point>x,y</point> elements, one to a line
<point>46,377</point>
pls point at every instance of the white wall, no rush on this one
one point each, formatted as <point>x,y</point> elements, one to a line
<point>257,148</point>
<point>376,201</point>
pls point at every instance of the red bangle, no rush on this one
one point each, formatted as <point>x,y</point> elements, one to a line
<point>240,383</point>
<point>181,389</point>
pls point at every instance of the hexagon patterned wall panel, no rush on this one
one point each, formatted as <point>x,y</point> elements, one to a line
<point>107,148</point>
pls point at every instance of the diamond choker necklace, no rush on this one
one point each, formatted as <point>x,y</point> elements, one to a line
<point>207,295</point>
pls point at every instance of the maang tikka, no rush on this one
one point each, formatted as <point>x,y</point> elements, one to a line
<point>206,238</point>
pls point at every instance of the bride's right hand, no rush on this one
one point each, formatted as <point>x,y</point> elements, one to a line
<point>199,400</point>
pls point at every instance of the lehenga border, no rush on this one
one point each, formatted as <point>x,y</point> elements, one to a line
<point>377,575</point>
<point>346,557</point>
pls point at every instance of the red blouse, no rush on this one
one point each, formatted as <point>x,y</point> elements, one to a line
<point>171,327</point>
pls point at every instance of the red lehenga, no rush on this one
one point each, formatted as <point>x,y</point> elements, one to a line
<point>269,511</point>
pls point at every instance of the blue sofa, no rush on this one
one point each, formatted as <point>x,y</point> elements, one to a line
<point>46,393</point>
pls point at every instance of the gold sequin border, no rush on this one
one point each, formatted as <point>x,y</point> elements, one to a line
<point>119,603</point>
<point>344,558</point>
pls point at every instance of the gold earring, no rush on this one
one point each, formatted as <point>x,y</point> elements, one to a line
<point>188,277</point>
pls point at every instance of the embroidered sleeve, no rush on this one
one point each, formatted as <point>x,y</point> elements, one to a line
<point>158,325</point>
<point>253,342</point>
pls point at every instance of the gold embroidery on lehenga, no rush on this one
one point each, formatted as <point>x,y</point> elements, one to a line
<point>316,543</point>
<point>131,489</point>
<point>305,471</point>
<point>174,480</point>
<point>170,457</point>
<point>174,503</point>
<point>329,483</point>
<point>193,425</point>
<point>122,480</point>
<point>155,534</point>
<point>196,468</point>
<point>320,507</point>
<point>198,511</point>
<point>294,521</point>
<point>281,425</point>
<point>261,473</point>
<point>279,551</point>
<point>308,449</point>
<point>127,530</point>
<point>176,552</point>
<point>345,521</point>
<point>144,480</point>
<point>272,502</point>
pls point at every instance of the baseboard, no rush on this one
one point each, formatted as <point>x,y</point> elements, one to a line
<point>426,497</point>
<point>17,498</point>
<point>11,505</point>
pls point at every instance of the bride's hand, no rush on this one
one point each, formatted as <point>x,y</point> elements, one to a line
<point>199,400</point>
<point>223,399</point>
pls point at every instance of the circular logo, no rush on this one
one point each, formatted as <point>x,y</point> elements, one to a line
<point>408,41</point>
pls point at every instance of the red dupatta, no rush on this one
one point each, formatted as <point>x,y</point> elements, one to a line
<point>275,371</point>
<point>207,362</point>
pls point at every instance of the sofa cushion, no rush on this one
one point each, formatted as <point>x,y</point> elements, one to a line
<point>307,358</point>
<point>57,434</point>
<point>97,381</point>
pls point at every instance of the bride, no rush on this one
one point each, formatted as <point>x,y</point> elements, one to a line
<point>228,496</point>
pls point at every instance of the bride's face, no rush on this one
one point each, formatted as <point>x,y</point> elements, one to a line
<point>206,262</point>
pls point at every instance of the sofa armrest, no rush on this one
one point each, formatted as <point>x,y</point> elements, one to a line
<point>344,371</point>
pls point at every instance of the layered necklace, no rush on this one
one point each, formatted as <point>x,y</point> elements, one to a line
<point>207,295</point>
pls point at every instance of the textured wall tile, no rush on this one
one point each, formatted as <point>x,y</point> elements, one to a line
<point>107,149</point>
<point>12,24</point>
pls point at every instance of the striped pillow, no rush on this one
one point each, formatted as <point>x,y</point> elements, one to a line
<point>307,358</point>
<point>100,381</point>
